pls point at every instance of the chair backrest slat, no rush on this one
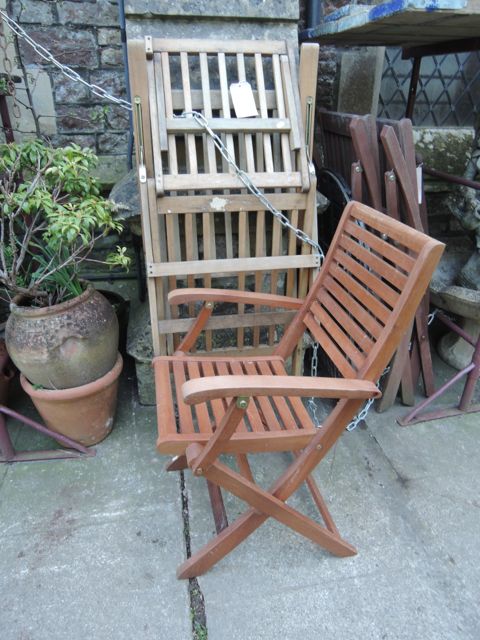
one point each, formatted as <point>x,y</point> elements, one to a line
<point>363,316</point>
<point>367,292</point>
<point>329,345</point>
<point>374,283</point>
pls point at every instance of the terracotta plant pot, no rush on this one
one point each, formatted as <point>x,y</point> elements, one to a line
<point>84,413</point>
<point>66,345</point>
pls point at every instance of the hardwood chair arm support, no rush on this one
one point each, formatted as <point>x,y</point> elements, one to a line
<point>180,296</point>
<point>211,388</point>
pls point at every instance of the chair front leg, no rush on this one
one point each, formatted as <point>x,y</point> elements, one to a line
<point>200,458</point>
<point>282,489</point>
<point>264,505</point>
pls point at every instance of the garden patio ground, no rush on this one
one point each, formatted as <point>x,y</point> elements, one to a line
<point>90,546</point>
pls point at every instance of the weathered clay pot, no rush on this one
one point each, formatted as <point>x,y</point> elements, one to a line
<point>85,413</point>
<point>65,345</point>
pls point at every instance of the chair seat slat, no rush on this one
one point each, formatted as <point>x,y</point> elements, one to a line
<point>280,404</point>
<point>184,411</point>
<point>201,409</point>
<point>164,396</point>
<point>218,406</point>
<point>269,420</point>
<point>303,417</point>
<point>252,411</point>
<point>224,369</point>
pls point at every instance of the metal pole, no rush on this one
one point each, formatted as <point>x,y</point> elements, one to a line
<point>412,91</point>
<point>123,36</point>
<point>314,13</point>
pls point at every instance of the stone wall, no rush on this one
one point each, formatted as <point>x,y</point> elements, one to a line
<point>84,35</point>
<point>214,19</point>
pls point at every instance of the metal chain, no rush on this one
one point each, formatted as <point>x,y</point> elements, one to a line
<point>246,180</point>
<point>67,71</point>
<point>431,317</point>
<point>313,374</point>
<point>312,405</point>
<point>362,414</point>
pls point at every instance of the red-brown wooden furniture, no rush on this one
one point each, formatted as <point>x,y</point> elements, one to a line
<point>358,309</point>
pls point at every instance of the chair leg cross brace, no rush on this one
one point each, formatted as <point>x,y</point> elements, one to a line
<point>263,505</point>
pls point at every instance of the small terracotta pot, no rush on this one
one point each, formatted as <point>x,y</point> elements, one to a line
<point>85,413</point>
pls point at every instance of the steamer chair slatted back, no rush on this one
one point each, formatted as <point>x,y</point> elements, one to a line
<point>200,226</point>
<point>359,307</point>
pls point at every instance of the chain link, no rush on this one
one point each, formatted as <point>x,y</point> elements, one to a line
<point>362,414</point>
<point>313,374</point>
<point>312,405</point>
<point>67,71</point>
<point>431,317</point>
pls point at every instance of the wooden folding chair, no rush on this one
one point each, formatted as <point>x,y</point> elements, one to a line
<point>358,310</point>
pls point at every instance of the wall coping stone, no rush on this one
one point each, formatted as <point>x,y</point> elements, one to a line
<point>278,10</point>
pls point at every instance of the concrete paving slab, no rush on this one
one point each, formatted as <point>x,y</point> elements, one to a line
<point>90,546</point>
<point>400,586</point>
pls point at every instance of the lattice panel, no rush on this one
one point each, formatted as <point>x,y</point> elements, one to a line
<point>448,90</point>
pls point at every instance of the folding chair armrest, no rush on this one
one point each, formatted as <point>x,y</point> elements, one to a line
<point>211,388</point>
<point>180,296</point>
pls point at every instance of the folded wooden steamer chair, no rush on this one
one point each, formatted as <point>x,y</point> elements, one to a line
<point>358,309</point>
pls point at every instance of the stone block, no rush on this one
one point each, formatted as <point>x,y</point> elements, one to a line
<point>32,11</point>
<point>110,169</point>
<point>212,29</point>
<point>68,90</point>
<point>139,346</point>
<point>108,37</point>
<point>73,47</point>
<point>112,81</point>
<point>283,10</point>
<point>114,143</point>
<point>101,13</point>
<point>117,118</point>
<point>111,57</point>
<point>445,149</point>
<point>77,119</point>
<point>42,100</point>
<point>83,140</point>
<point>360,76</point>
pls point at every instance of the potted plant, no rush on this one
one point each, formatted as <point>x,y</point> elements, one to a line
<point>61,333</point>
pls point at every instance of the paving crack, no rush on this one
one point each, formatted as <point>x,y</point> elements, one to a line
<point>197,602</point>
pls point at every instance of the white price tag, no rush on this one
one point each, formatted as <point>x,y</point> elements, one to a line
<point>243,100</point>
<point>419,183</point>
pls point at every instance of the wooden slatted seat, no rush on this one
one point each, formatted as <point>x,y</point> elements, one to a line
<point>266,418</point>
<point>358,310</point>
